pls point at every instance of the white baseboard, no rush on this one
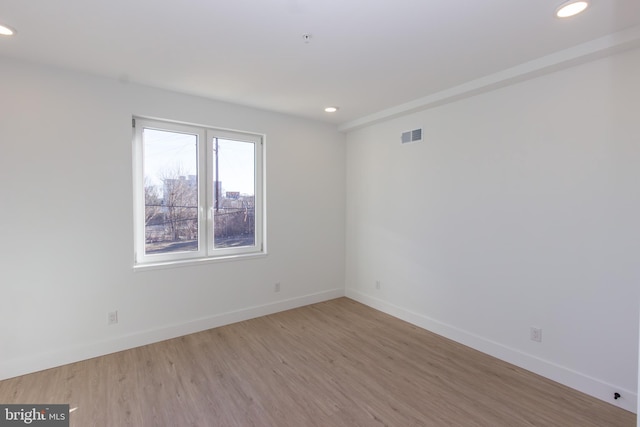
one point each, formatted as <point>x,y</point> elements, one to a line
<point>59,357</point>
<point>576,380</point>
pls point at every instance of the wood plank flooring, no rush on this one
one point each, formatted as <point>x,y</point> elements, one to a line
<point>337,363</point>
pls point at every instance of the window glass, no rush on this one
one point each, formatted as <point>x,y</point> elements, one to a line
<point>170,191</point>
<point>233,193</point>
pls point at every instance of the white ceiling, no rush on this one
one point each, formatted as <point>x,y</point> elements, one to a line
<point>365,56</point>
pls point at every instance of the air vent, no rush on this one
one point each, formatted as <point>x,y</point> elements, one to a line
<point>411,136</point>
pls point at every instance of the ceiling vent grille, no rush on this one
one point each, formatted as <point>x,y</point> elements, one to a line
<point>411,136</point>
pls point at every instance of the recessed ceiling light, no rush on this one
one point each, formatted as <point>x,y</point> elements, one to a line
<point>331,109</point>
<point>571,8</point>
<point>6,30</point>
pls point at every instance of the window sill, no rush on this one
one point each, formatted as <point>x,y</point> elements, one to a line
<point>199,261</point>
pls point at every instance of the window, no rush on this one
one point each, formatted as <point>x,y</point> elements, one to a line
<point>198,192</point>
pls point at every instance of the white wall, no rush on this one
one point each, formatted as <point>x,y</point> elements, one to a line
<point>66,221</point>
<point>520,209</point>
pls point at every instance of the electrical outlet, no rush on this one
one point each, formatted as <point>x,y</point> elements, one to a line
<point>536,334</point>
<point>276,287</point>
<point>112,317</point>
<point>378,284</point>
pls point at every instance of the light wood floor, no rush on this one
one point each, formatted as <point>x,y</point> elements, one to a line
<point>337,363</point>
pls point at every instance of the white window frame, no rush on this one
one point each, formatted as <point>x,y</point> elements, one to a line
<point>206,251</point>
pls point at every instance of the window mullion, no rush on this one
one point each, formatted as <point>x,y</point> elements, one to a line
<point>209,192</point>
<point>202,192</point>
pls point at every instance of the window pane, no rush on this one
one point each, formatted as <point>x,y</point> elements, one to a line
<point>233,193</point>
<point>170,191</point>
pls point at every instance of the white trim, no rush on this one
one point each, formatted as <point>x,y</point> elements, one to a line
<point>38,362</point>
<point>197,261</point>
<point>563,375</point>
<point>598,48</point>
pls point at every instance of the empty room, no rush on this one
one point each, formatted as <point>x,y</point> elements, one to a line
<point>305,213</point>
